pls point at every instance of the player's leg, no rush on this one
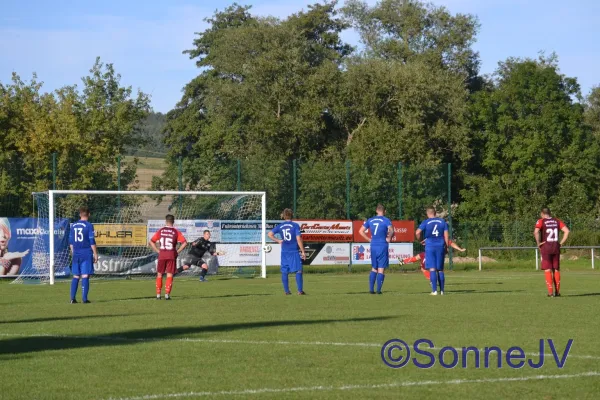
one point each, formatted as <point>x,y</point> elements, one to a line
<point>285,270</point>
<point>382,263</point>
<point>440,270</point>
<point>430,264</point>
<point>547,268</point>
<point>299,277</point>
<point>87,269</point>
<point>374,269</point>
<point>171,271</point>
<point>556,269</point>
<point>203,272</point>
<point>76,271</point>
<point>426,273</point>
<point>161,268</point>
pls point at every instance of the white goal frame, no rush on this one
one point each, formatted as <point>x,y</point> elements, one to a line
<point>51,193</point>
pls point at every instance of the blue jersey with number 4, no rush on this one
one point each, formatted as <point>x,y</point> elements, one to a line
<point>434,229</point>
<point>82,238</point>
<point>378,226</point>
<point>288,231</point>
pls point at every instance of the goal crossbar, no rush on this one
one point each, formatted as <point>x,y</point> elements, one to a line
<point>537,250</point>
<point>51,194</point>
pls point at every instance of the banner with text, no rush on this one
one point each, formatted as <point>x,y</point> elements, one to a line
<point>404,232</point>
<point>192,229</point>
<point>111,235</point>
<point>361,252</point>
<point>326,231</point>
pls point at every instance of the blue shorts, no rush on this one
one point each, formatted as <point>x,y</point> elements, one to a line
<point>290,262</point>
<point>380,257</point>
<point>434,258</point>
<point>82,265</point>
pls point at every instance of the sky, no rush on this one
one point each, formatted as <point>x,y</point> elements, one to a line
<point>59,40</point>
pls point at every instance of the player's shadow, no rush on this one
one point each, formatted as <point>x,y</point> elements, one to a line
<point>473,291</point>
<point>199,296</point>
<point>66,318</point>
<point>24,345</point>
<point>581,295</point>
<point>474,283</point>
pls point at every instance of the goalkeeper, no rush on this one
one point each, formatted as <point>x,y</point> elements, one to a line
<point>202,251</point>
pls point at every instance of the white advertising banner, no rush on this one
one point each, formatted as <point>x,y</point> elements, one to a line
<point>361,252</point>
<point>192,229</point>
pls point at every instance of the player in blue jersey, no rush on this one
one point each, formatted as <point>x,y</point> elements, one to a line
<point>436,242</point>
<point>381,230</point>
<point>85,255</point>
<point>292,250</point>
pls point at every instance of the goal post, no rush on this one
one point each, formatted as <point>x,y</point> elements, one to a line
<point>237,252</point>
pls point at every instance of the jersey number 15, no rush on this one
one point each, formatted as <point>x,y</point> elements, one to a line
<point>287,236</point>
<point>166,243</point>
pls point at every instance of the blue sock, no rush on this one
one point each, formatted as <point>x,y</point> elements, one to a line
<point>85,288</point>
<point>442,280</point>
<point>299,281</point>
<point>74,284</point>
<point>380,278</point>
<point>433,279</point>
<point>372,278</point>
<point>286,282</point>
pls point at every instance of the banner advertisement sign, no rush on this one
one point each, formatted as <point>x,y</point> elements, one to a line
<point>361,252</point>
<point>326,231</point>
<point>404,232</point>
<point>16,244</point>
<point>192,229</point>
<point>110,235</point>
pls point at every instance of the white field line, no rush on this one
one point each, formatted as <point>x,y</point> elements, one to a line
<point>250,342</point>
<point>356,387</point>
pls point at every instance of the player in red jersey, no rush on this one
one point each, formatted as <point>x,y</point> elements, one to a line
<point>550,248</point>
<point>421,257</point>
<point>167,237</point>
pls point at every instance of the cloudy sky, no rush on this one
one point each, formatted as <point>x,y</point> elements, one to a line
<point>59,40</point>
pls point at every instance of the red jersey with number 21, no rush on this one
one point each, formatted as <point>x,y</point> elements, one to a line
<point>550,228</point>
<point>167,239</point>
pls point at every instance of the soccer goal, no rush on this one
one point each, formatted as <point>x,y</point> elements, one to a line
<point>124,221</point>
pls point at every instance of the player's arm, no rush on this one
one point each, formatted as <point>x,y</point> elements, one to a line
<point>456,247</point>
<point>363,233</point>
<point>181,240</point>
<point>565,231</point>
<point>152,242</point>
<point>536,233</point>
<point>271,235</point>
<point>446,235</point>
<point>92,238</point>
<point>420,229</point>
<point>390,234</point>
<point>300,244</point>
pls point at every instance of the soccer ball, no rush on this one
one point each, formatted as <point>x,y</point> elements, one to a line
<point>268,248</point>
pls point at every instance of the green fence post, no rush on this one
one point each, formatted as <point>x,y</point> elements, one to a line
<point>119,182</point>
<point>239,175</point>
<point>400,188</point>
<point>295,179</point>
<point>180,179</point>
<point>53,171</point>
<point>347,189</point>
<point>450,213</point>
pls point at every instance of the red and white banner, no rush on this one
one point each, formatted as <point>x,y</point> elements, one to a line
<point>326,231</point>
<point>404,232</point>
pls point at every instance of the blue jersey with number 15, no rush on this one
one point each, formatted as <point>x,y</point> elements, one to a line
<point>378,226</point>
<point>82,238</point>
<point>434,229</point>
<point>288,232</point>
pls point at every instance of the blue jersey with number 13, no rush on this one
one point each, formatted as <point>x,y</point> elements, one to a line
<point>288,232</point>
<point>434,229</point>
<point>82,238</point>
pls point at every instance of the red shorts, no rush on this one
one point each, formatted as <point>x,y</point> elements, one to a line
<point>551,261</point>
<point>168,266</point>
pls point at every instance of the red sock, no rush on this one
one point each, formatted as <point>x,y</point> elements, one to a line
<point>410,260</point>
<point>557,280</point>
<point>426,273</point>
<point>158,285</point>
<point>169,284</point>
<point>549,281</point>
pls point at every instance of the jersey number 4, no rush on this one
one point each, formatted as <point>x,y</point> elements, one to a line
<point>435,231</point>
<point>79,234</point>
<point>552,235</point>
<point>287,236</point>
<point>166,243</point>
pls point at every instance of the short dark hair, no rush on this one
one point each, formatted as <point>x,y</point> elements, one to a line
<point>206,231</point>
<point>84,210</point>
<point>170,218</point>
<point>380,207</point>
<point>546,211</point>
<point>287,214</point>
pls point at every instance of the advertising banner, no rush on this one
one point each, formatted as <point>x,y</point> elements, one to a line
<point>326,231</point>
<point>404,232</point>
<point>16,244</point>
<point>110,235</point>
<point>245,231</point>
<point>361,252</point>
<point>192,229</point>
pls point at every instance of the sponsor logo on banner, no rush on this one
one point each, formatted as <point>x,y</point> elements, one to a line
<point>326,231</point>
<point>333,254</point>
<point>361,252</point>
<point>108,235</point>
<point>192,229</point>
<point>239,254</point>
<point>245,231</point>
<point>404,232</point>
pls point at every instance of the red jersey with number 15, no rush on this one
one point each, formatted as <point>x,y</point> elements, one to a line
<point>167,239</point>
<point>550,228</point>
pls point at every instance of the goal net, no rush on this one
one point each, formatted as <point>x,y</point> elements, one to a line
<point>125,221</point>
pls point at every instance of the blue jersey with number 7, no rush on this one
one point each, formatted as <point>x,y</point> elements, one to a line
<point>288,231</point>
<point>378,226</point>
<point>434,229</point>
<point>82,238</point>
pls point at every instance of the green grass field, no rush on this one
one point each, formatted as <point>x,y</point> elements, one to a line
<point>242,338</point>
